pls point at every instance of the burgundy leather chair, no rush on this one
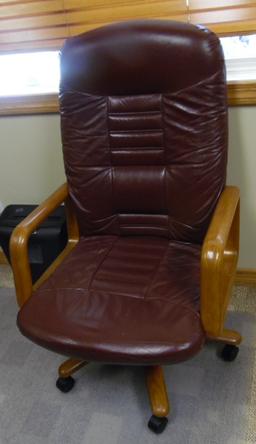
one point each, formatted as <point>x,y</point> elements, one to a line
<point>153,231</point>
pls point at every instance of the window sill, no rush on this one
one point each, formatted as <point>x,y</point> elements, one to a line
<point>242,93</point>
<point>36,104</point>
<point>239,93</point>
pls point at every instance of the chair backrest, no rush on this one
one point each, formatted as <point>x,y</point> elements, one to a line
<point>144,128</point>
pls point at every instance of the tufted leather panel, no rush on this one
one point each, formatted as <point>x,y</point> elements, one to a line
<point>144,128</point>
<point>131,300</point>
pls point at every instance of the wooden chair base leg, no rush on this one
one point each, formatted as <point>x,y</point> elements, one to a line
<point>157,391</point>
<point>228,337</point>
<point>71,366</point>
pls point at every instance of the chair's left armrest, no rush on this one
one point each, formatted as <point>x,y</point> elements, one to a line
<point>21,234</point>
<point>218,262</point>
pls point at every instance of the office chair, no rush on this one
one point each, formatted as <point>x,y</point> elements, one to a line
<point>153,230</point>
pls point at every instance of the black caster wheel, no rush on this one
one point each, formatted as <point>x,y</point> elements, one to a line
<point>157,424</point>
<point>229,353</point>
<point>65,384</point>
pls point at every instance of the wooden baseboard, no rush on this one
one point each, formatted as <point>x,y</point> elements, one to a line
<point>3,259</point>
<point>246,276</point>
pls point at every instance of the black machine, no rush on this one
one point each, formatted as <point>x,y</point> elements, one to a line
<point>46,242</point>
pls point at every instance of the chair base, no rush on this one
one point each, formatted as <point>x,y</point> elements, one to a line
<point>156,424</point>
<point>231,337</point>
<point>71,366</point>
<point>65,382</point>
<point>229,353</point>
<point>158,399</point>
<point>154,379</point>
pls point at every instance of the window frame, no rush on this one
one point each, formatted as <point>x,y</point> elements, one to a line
<point>50,23</point>
<point>240,92</point>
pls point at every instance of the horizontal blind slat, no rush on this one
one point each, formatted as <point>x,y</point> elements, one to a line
<point>179,5</point>
<point>219,4</point>
<point>33,45</point>
<point>102,15</point>
<point>224,16</point>
<point>30,9</point>
<point>31,34</point>
<point>79,29</point>
<point>25,22</point>
<point>234,28</point>
<point>22,22</point>
<point>45,21</point>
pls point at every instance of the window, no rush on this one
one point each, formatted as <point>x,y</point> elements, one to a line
<point>32,73</point>
<point>43,25</point>
<point>39,73</point>
<point>240,56</point>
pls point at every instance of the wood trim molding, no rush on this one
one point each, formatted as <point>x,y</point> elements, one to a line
<point>246,276</point>
<point>242,93</point>
<point>36,104</point>
<point>239,93</point>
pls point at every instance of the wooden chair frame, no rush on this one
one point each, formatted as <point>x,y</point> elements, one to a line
<point>218,267</point>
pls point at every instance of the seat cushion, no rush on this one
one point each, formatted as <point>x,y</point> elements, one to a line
<point>127,300</point>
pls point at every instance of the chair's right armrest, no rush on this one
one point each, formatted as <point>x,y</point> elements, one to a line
<point>218,262</point>
<point>21,234</point>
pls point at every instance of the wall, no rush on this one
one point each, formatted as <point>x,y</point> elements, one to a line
<point>31,165</point>
<point>242,172</point>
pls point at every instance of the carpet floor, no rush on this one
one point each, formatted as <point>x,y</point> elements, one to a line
<point>213,402</point>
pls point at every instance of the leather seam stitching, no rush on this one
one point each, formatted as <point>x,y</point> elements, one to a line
<point>134,113</point>
<point>165,169</point>
<point>114,213</point>
<point>157,269</point>
<point>100,263</point>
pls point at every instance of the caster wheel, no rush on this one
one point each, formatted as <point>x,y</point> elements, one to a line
<point>65,384</point>
<point>157,424</point>
<point>229,353</point>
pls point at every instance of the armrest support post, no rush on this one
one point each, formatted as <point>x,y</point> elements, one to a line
<point>218,262</point>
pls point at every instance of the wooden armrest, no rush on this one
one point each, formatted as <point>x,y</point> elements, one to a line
<point>20,237</point>
<point>218,261</point>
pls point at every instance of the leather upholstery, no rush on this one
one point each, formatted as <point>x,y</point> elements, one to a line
<point>120,300</point>
<point>144,130</point>
<point>143,111</point>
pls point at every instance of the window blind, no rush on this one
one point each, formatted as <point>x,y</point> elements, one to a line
<point>85,15</point>
<point>33,24</point>
<point>225,17</point>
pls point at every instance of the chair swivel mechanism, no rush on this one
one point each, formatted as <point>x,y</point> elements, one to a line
<point>153,230</point>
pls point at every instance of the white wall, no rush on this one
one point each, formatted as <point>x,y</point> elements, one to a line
<point>31,165</point>
<point>242,172</point>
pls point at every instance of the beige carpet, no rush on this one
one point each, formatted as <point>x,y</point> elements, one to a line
<point>212,402</point>
<point>244,301</point>
<point>6,279</point>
